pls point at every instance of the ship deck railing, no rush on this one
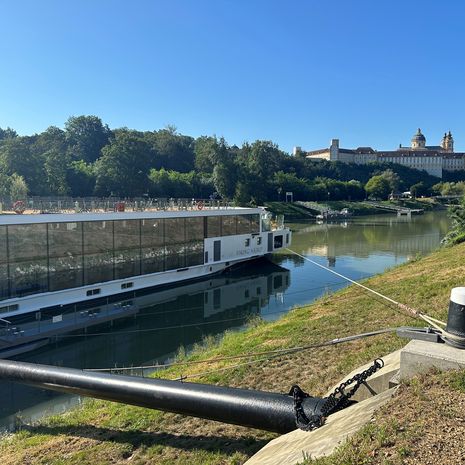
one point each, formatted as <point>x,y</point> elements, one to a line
<point>35,205</point>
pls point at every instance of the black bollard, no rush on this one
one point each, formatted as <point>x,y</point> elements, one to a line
<point>456,318</point>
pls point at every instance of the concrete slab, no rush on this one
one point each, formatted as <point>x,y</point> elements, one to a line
<point>378,382</point>
<point>421,356</point>
<point>293,447</point>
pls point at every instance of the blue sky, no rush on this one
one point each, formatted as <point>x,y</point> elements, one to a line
<point>295,72</point>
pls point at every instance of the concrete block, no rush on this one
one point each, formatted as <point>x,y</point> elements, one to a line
<point>377,383</point>
<point>421,356</point>
<point>293,447</point>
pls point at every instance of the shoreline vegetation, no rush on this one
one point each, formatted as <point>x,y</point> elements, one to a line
<point>88,158</point>
<point>103,432</point>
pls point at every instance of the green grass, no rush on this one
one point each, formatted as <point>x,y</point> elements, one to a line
<point>291,211</point>
<point>104,432</point>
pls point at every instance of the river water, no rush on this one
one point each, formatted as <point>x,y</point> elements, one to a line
<point>156,325</point>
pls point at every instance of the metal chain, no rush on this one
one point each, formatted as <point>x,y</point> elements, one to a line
<point>340,399</point>
<point>302,421</point>
<point>337,400</point>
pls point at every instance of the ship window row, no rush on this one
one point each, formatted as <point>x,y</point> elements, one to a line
<point>36,258</point>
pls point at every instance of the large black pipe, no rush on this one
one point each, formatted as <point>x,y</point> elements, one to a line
<point>257,409</point>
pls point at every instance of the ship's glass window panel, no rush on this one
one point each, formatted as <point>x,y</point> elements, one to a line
<point>194,229</point>
<point>175,231</point>
<point>65,239</point>
<point>228,225</point>
<point>27,241</point>
<point>3,244</point>
<point>244,224</point>
<point>3,281</point>
<point>152,232</point>
<point>153,260</point>
<point>255,224</point>
<point>98,268</point>
<point>194,253</point>
<point>213,226</point>
<point>127,234</point>
<point>127,263</point>
<point>65,272</point>
<point>127,248</point>
<point>175,256</point>
<point>28,277</point>
<point>98,237</point>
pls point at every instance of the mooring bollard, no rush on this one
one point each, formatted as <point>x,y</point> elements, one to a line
<point>456,318</point>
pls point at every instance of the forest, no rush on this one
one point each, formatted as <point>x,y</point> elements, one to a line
<point>87,158</point>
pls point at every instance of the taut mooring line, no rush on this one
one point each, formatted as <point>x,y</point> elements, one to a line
<point>431,321</point>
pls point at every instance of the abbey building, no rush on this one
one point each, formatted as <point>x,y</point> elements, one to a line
<point>434,159</point>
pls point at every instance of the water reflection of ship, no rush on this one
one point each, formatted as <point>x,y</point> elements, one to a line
<point>152,330</point>
<point>231,289</point>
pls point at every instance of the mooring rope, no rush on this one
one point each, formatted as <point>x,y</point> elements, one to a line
<point>435,323</point>
<point>271,353</point>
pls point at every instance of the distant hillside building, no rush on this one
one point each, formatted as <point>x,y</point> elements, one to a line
<point>434,159</point>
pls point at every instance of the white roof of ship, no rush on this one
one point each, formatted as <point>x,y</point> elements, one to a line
<point>9,219</point>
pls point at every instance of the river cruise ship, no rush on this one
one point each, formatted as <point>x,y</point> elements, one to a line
<point>57,259</point>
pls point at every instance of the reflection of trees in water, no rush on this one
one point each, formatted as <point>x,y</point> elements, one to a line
<point>360,239</point>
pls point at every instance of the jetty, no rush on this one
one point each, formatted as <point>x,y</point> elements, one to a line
<point>401,211</point>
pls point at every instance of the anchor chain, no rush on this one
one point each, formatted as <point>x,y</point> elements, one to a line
<point>337,400</point>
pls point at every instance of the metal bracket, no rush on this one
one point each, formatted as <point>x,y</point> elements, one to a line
<point>422,334</point>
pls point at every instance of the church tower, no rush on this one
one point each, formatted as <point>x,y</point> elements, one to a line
<point>449,143</point>
<point>444,142</point>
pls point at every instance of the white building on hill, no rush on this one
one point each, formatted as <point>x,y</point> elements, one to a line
<point>434,159</point>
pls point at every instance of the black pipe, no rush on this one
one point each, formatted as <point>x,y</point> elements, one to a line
<point>256,409</point>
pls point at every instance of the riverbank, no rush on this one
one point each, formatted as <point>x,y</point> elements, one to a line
<point>102,432</point>
<point>297,211</point>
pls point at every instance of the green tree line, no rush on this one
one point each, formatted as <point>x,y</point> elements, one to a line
<point>88,158</point>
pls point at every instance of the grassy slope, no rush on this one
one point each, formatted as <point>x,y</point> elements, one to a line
<point>402,434</point>
<point>102,432</point>
<point>291,210</point>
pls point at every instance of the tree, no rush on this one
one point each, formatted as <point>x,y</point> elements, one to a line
<point>80,177</point>
<point>86,136</point>
<point>257,164</point>
<point>124,166</point>
<point>172,151</point>
<point>52,138</point>
<point>18,187</point>
<point>5,185</point>
<point>457,234</point>
<point>7,133</point>
<point>206,154</point>
<point>418,189</point>
<point>56,167</point>
<point>289,182</point>
<point>392,178</point>
<point>378,187</point>
<point>17,157</point>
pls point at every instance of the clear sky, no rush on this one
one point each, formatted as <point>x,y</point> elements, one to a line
<point>295,72</point>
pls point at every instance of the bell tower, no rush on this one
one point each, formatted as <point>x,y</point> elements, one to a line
<point>449,143</point>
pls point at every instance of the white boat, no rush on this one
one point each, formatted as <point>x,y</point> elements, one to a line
<point>59,259</point>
